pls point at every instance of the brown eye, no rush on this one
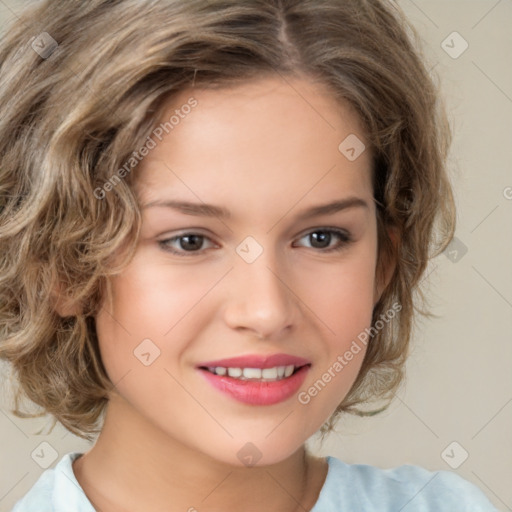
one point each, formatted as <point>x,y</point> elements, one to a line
<point>322,239</point>
<point>183,244</point>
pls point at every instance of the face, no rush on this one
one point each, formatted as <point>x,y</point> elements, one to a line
<point>259,275</point>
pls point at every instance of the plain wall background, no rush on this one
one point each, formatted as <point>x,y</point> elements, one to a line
<point>459,385</point>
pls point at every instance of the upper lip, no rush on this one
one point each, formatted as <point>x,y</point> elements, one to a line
<point>256,361</point>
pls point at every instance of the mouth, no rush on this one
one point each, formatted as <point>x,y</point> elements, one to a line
<point>257,380</point>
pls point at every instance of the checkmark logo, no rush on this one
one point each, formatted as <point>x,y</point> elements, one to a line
<point>44,455</point>
<point>249,454</point>
<point>147,352</point>
<point>455,250</point>
<point>44,45</point>
<point>352,147</point>
<point>249,249</point>
<point>454,45</point>
<point>454,455</point>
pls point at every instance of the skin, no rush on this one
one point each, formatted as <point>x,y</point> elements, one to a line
<point>265,150</point>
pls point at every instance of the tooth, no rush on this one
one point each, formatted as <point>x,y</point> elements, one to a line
<point>252,373</point>
<point>269,373</point>
<point>235,372</point>
<point>289,370</point>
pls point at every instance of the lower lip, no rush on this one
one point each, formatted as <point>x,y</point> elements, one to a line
<point>258,393</point>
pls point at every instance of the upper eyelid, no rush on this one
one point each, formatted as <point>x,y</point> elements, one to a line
<point>198,231</point>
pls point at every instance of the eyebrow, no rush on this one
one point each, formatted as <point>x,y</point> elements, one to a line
<point>210,210</point>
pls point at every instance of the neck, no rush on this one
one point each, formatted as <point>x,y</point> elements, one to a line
<point>136,466</point>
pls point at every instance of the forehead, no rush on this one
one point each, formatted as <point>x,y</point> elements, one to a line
<point>263,138</point>
<point>271,102</point>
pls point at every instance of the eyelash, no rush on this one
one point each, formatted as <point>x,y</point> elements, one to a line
<point>344,237</point>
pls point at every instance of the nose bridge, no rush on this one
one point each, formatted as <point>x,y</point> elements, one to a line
<point>258,298</point>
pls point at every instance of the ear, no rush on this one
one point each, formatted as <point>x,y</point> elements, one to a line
<point>386,264</point>
<point>63,305</point>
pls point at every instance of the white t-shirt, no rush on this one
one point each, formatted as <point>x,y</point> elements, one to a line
<point>347,487</point>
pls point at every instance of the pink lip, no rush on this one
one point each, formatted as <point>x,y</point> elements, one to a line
<point>256,361</point>
<point>258,393</point>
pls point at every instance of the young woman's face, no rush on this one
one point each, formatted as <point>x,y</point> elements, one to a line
<point>257,275</point>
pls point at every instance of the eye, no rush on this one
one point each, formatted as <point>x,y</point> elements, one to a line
<point>321,239</point>
<point>186,243</point>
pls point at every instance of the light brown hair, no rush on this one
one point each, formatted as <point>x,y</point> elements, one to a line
<point>72,118</point>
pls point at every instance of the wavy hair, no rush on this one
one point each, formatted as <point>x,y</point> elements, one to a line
<point>81,96</point>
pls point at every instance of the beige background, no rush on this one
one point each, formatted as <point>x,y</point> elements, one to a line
<point>459,385</point>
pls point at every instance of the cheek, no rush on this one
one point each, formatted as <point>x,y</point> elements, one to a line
<point>344,305</point>
<point>149,301</point>
<point>341,297</point>
<point>138,311</point>
<point>341,294</point>
<point>155,302</point>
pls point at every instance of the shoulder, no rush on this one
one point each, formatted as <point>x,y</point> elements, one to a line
<point>406,488</point>
<point>56,490</point>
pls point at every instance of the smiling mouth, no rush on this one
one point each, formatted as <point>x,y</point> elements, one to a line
<point>273,374</point>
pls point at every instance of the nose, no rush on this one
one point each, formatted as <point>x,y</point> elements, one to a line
<point>260,300</point>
